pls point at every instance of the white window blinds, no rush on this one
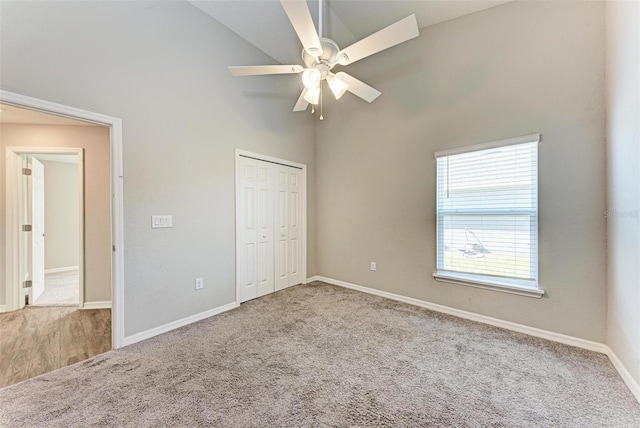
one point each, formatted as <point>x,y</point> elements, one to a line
<point>487,211</point>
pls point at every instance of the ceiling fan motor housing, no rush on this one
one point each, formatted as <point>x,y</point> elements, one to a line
<point>324,62</point>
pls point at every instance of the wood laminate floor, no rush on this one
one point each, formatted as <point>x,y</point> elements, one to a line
<point>36,340</point>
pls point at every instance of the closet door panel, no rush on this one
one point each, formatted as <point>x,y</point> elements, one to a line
<point>264,213</point>
<point>281,214</point>
<point>247,272</point>
<point>294,229</point>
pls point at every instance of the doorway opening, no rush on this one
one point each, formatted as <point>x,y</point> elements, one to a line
<point>47,195</point>
<point>112,297</point>
<point>51,252</point>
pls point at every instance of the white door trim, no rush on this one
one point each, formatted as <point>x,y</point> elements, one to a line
<point>117,216</point>
<point>13,182</point>
<point>14,199</point>
<point>303,167</point>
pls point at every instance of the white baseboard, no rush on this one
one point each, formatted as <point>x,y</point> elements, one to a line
<point>147,334</point>
<point>624,374</point>
<point>97,305</point>
<point>61,269</point>
<point>532,331</point>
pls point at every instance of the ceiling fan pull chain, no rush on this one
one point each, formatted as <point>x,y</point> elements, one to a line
<point>321,117</point>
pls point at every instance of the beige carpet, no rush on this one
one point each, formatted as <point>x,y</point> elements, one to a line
<point>60,289</point>
<point>319,355</point>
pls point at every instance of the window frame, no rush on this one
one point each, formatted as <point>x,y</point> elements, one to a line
<point>525,287</point>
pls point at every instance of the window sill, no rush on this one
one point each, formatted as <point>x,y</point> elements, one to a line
<point>504,285</point>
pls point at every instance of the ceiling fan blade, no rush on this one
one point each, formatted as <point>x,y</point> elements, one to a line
<point>302,104</point>
<point>359,88</point>
<point>394,34</point>
<point>256,70</point>
<point>300,17</point>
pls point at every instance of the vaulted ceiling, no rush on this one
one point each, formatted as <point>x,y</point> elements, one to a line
<point>264,24</point>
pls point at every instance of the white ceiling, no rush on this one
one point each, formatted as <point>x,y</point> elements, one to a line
<point>15,115</point>
<point>264,24</point>
<point>73,159</point>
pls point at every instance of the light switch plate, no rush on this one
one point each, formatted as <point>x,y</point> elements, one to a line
<point>159,221</point>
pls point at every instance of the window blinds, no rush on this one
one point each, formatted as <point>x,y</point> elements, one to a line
<point>487,210</point>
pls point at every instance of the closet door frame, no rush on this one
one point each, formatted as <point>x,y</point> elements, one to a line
<point>303,215</point>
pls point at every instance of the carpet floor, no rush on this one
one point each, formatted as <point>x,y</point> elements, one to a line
<point>60,289</point>
<point>319,355</point>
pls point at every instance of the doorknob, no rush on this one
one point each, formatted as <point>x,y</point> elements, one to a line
<point>264,237</point>
<point>44,234</point>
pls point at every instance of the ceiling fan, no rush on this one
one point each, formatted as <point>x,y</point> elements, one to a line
<point>320,55</point>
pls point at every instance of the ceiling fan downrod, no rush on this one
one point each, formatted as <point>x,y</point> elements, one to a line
<point>320,18</point>
<point>320,36</point>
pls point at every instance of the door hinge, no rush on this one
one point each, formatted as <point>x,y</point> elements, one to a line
<point>27,284</point>
<point>26,228</point>
<point>26,171</point>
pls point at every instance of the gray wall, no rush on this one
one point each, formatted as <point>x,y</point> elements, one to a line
<point>97,226</point>
<point>161,67</point>
<point>62,215</point>
<point>623,166</point>
<point>512,70</point>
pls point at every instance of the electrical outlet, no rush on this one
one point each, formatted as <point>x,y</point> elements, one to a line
<point>374,266</point>
<point>199,283</point>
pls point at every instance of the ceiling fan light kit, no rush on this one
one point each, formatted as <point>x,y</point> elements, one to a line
<point>311,78</point>
<point>337,86</point>
<point>312,95</point>
<point>320,55</point>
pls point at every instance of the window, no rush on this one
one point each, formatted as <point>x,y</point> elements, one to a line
<point>487,215</point>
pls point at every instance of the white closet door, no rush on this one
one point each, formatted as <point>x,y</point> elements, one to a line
<point>281,224</point>
<point>247,264</point>
<point>295,233</point>
<point>264,213</point>
<point>269,219</point>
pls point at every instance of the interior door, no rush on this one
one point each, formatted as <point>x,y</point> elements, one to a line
<point>37,232</point>
<point>295,233</point>
<point>281,231</point>
<point>264,214</point>
<point>247,254</point>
